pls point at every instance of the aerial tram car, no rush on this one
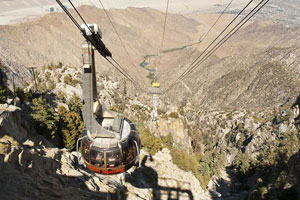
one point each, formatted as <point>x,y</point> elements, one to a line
<point>110,143</point>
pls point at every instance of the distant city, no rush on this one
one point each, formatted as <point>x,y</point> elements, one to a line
<point>285,12</point>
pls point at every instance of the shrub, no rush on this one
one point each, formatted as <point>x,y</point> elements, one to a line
<point>51,85</point>
<point>24,96</point>
<point>174,115</point>
<point>71,126</point>
<point>59,65</point>
<point>42,86</point>
<point>204,168</point>
<point>263,191</point>
<point>188,162</point>
<point>242,161</point>
<point>184,160</point>
<point>63,70</point>
<point>215,160</point>
<point>151,76</point>
<point>4,91</point>
<point>164,116</point>
<point>167,141</point>
<point>118,108</point>
<point>75,104</point>
<point>47,75</point>
<point>181,111</point>
<point>150,143</point>
<point>9,142</point>
<point>62,96</point>
<point>45,119</point>
<point>70,81</point>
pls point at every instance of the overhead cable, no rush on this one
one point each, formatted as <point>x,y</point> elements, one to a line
<point>95,40</point>
<point>125,74</point>
<point>164,27</point>
<point>112,24</point>
<point>216,38</point>
<point>79,15</point>
<point>230,34</point>
<point>69,14</point>
<point>123,45</point>
<point>162,40</point>
<point>206,34</point>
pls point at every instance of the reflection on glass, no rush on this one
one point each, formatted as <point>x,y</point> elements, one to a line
<point>129,153</point>
<point>97,158</point>
<point>113,159</point>
<point>86,148</point>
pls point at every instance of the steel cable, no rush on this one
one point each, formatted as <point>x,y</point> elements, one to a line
<point>206,34</point>
<point>216,38</point>
<point>230,34</point>
<point>69,14</point>
<point>79,15</point>
<point>123,45</point>
<point>162,40</point>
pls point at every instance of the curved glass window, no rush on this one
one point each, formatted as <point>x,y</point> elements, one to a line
<point>85,144</point>
<point>129,152</point>
<point>97,158</point>
<point>113,158</point>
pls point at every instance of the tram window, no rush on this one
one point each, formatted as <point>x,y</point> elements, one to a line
<point>113,159</point>
<point>97,158</point>
<point>129,153</point>
<point>86,148</point>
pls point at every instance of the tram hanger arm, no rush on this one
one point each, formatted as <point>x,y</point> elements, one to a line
<point>94,37</point>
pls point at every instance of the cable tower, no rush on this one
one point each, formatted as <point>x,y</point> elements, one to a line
<point>155,90</point>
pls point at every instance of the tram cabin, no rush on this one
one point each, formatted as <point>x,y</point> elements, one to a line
<point>110,156</point>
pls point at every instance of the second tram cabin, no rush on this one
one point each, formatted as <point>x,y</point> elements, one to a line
<point>111,155</point>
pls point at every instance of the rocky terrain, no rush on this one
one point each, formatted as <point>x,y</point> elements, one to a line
<point>231,146</point>
<point>228,131</point>
<point>38,170</point>
<point>24,151</point>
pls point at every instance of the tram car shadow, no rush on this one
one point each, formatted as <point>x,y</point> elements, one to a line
<point>162,188</point>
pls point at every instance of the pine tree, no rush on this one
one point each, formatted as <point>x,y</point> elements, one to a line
<point>4,91</point>
<point>71,126</point>
<point>75,104</point>
<point>45,118</point>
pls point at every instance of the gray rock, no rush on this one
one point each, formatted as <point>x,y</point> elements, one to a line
<point>11,123</point>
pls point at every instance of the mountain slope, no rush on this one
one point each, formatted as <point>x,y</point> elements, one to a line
<point>54,38</point>
<point>256,69</point>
